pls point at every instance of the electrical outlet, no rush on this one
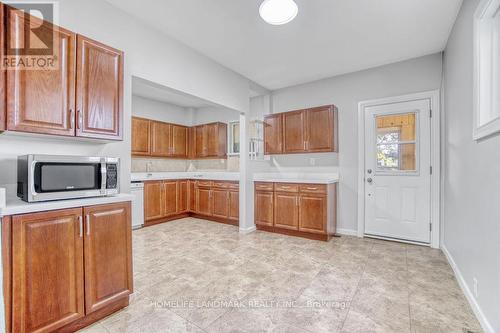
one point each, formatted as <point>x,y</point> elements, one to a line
<point>312,161</point>
<point>475,287</point>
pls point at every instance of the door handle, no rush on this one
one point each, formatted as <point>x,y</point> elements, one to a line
<point>87,219</point>
<point>80,118</point>
<point>72,118</point>
<point>80,224</point>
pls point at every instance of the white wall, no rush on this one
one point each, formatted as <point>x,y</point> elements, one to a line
<point>346,92</point>
<point>149,55</point>
<point>471,181</point>
<point>155,110</point>
<point>213,113</point>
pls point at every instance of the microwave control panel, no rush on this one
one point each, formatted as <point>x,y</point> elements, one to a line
<point>111,176</point>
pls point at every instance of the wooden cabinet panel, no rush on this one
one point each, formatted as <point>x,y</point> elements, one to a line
<point>286,187</point>
<point>264,208</point>
<point>170,197</point>
<point>141,143</point>
<point>286,210</point>
<point>264,186</point>
<point>41,100</point>
<point>153,200</point>
<point>312,213</point>
<point>108,255</point>
<point>192,196</point>
<point>160,137</point>
<point>273,134</point>
<point>212,139</point>
<point>192,143</point>
<point>3,116</point>
<point>182,196</point>
<point>313,188</point>
<point>234,205</point>
<point>220,203</point>
<point>47,270</point>
<point>294,135</point>
<point>179,141</point>
<point>204,201</point>
<point>201,141</point>
<point>319,130</point>
<point>99,90</point>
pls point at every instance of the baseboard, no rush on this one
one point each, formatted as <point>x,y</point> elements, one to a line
<point>485,324</point>
<point>347,232</point>
<point>245,231</point>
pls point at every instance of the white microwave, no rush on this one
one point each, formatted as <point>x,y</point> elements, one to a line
<point>51,177</point>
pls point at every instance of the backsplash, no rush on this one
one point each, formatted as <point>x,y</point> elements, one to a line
<point>171,165</point>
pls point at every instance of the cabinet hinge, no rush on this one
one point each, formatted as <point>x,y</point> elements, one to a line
<point>430,227</point>
<point>430,113</point>
<point>431,169</point>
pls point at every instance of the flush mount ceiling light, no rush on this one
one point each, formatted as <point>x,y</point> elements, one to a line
<point>277,12</point>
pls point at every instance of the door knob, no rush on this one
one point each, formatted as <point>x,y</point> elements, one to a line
<point>369,180</point>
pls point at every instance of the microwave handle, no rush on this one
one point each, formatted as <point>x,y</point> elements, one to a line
<point>32,177</point>
<point>104,172</point>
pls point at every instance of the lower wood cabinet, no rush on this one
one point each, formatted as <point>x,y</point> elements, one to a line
<point>307,210</point>
<point>66,265</point>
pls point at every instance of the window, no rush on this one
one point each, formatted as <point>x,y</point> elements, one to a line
<point>486,69</point>
<point>234,138</point>
<point>396,142</point>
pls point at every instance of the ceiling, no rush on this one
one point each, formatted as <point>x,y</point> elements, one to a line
<point>328,37</point>
<point>147,89</point>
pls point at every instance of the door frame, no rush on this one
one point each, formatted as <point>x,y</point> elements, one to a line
<point>434,97</point>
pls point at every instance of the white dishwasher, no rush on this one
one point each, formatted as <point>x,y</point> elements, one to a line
<point>137,190</point>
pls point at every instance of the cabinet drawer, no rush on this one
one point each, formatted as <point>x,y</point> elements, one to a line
<point>220,184</point>
<point>233,186</point>
<point>284,187</point>
<point>313,188</point>
<point>264,186</point>
<point>204,183</point>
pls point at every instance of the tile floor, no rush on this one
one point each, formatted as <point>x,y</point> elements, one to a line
<point>198,276</point>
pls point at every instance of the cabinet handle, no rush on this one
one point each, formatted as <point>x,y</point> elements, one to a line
<point>72,118</point>
<point>312,188</point>
<point>87,219</point>
<point>285,187</point>
<point>80,224</point>
<point>80,118</point>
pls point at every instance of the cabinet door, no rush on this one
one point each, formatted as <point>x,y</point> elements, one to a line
<point>212,140</point>
<point>42,100</point>
<point>320,129</point>
<point>179,141</point>
<point>141,144</point>
<point>47,270</point>
<point>182,196</point>
<point>201,141</point>
<point>294,138</point>
<point>170,197</point>
<point>108,255</point>
<point>204,201</point>
<point>220,203</point>
<point>234,205</point>
<point>2,72</point>
<point>273,134</point>
<point>160,137</point>
<point>99,90</point>
<point>192,196</point>
<point>264,208</point>
<point>192,143</point>
<point>312,213</point>
<point>153,200</point>
<point>286,210</point>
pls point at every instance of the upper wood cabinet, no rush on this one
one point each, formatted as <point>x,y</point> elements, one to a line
<point>273,134</point>
<point>211,140</point>
<point>47,270</point>
<point>99,99</point>
<point>3,124</point>
<point>41,100</point>
<point>179,141</point>
<point>160,138</point>
<point>108,255</point>
<point>141,139</point>
<point>302,131</point>
<point>82,96</point>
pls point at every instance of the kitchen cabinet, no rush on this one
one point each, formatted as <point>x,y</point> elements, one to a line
<point>204,201</point>
<point>234,205</point>
<point>192,196</point>
<point>273,134</point>
<point>211,140</point>
<point>42,100</point>
<point>165,200</point>
<point>191,143</point>
<point>153,200</point>
<point>108,255</point>
<point>99,94</point>
<point>160,136</point>
<point>312,130</point>
<point>305,210</point>
<point>69,267</point>
<point>179,141</point>
<point>2,72</point>
<point>82,96</point>
<point>220,203</point>
<point>141,143</point>
<point>182,196</point>
<point>47,270</point>
<point>170,196</point>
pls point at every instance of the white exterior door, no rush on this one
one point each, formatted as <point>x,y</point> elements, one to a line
<point>398,171</point>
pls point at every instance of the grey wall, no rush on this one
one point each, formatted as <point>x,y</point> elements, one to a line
<point>346,92</point>
<point>471,182</point>
<point>150,109</point>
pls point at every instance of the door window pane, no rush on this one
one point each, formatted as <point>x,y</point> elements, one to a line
<point>396,142</point>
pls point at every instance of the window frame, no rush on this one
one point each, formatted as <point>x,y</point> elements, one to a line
<point>230,139</point>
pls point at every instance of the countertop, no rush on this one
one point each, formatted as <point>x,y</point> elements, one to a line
<point>143,176</point>
<point>16,206</point>
<point>301,178</point>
